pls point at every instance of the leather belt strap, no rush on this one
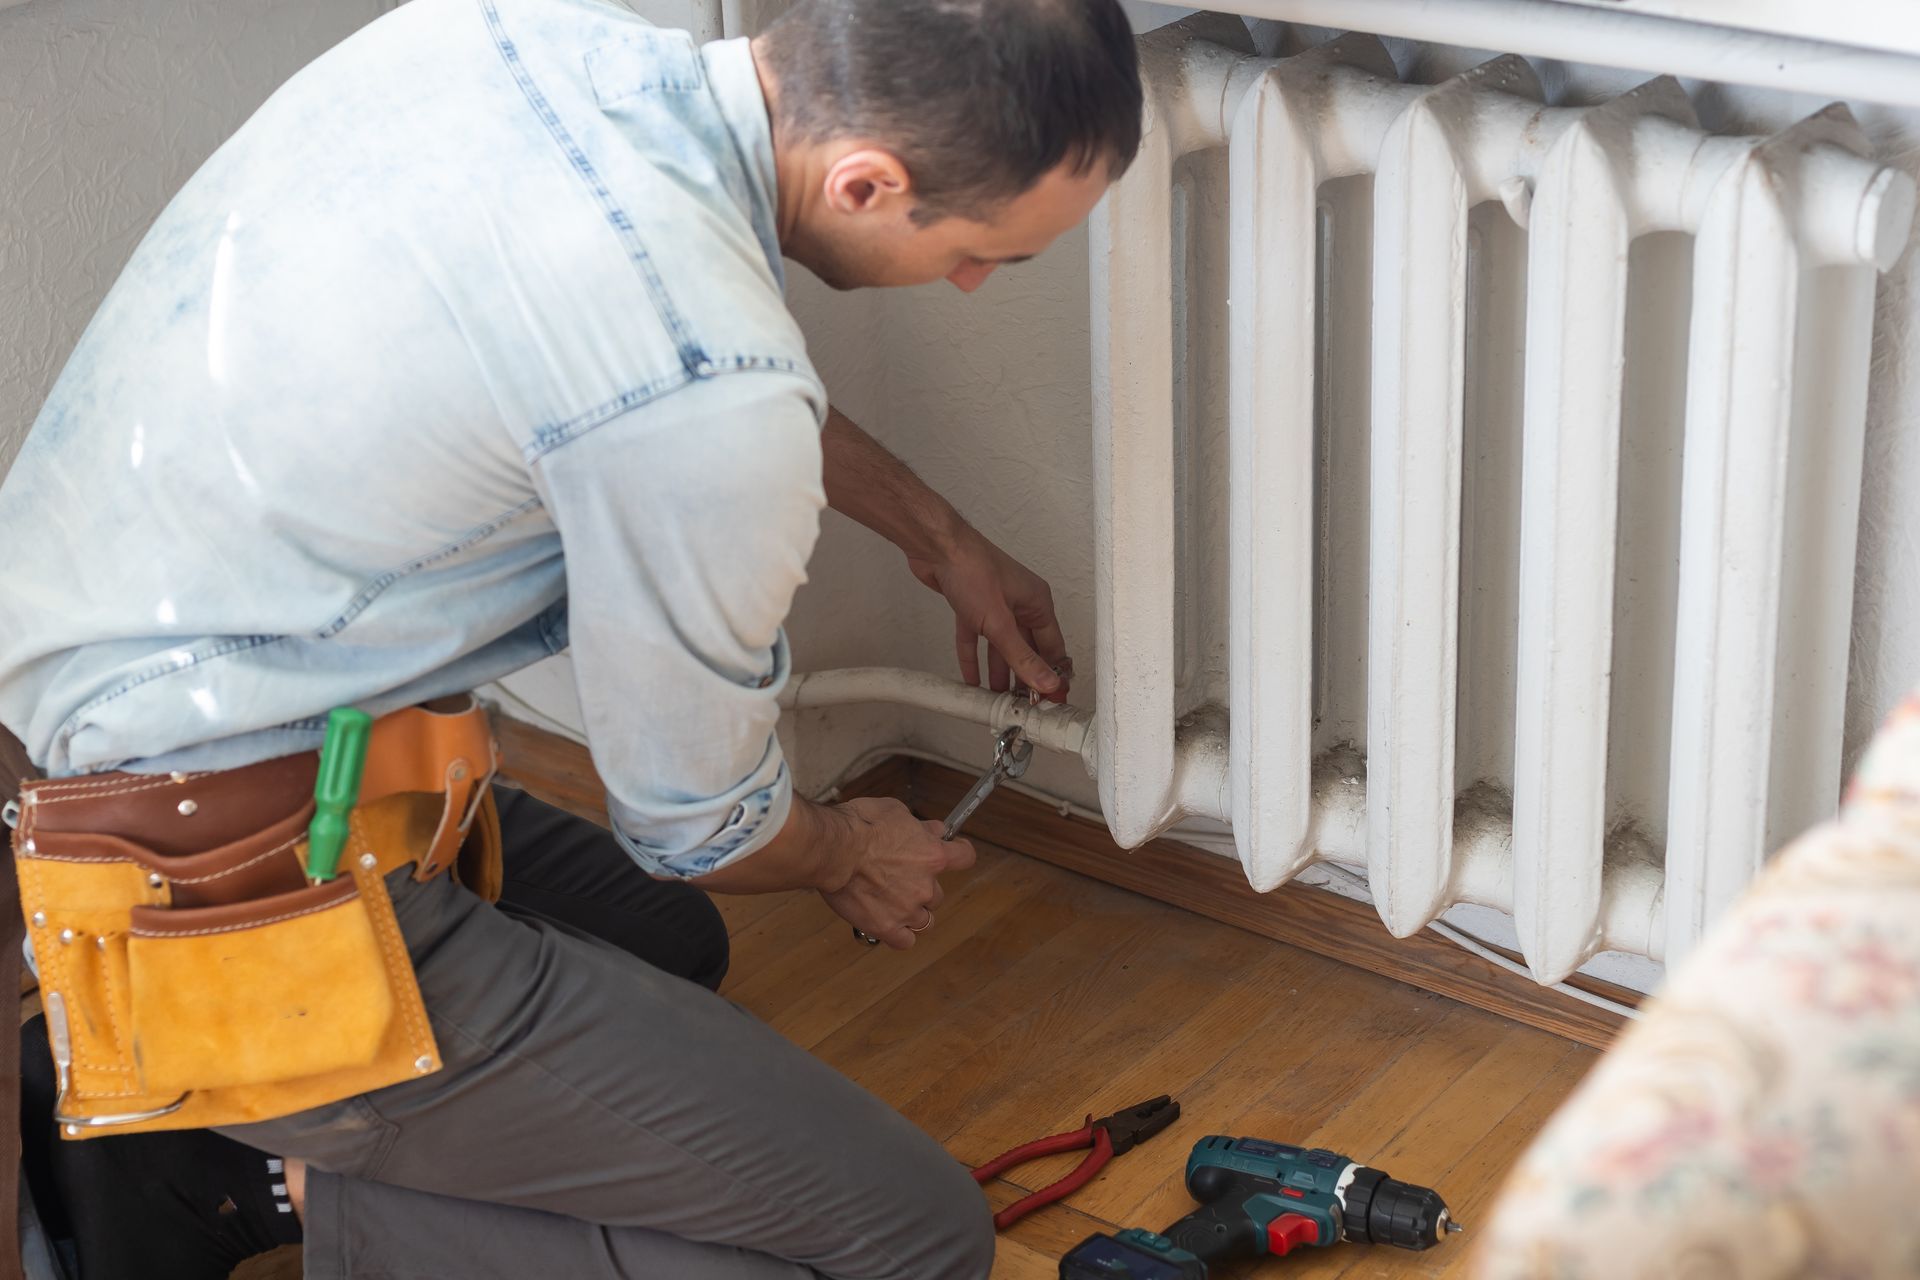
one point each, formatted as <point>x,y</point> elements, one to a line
<point>14,768</point>
<point>446,749</point>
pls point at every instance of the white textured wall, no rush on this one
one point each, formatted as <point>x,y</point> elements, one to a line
<point>106,108</point>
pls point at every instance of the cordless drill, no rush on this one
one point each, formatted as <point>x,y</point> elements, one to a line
<point>1261,1198</point>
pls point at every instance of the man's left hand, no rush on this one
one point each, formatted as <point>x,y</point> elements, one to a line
<point>997,598</point>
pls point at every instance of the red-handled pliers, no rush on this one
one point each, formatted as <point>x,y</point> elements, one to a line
<point>1109,1136</point>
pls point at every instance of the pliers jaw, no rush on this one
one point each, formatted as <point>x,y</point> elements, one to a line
<point>1134,1125</point>
<point>1108,1136</point>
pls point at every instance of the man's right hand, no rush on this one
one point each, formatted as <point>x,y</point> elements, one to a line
<point>894,886</point>
<point>876,864</point>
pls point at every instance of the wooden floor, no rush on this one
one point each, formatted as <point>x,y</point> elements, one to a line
<point>1041,996</point>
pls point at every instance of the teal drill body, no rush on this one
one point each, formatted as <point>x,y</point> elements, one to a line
<point>1258,1198</point>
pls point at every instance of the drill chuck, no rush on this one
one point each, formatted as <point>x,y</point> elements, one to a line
<point>1383,1210</point>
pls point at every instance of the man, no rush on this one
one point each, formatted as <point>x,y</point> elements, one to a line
<point>470,347</point>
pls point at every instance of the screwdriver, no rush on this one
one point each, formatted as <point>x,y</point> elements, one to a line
<point>336,788</point>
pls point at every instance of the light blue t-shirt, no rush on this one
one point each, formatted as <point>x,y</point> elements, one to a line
<point>470,346</point>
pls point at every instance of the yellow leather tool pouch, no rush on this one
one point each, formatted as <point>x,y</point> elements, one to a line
<point>303,971</point>
<point>193,978</point>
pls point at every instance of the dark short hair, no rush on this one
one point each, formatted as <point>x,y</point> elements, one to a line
<point>978,98</point>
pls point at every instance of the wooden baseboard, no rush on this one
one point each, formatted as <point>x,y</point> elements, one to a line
<point>1311,919</point>
<point>562,773</point>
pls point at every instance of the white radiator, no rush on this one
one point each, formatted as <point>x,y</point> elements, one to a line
<point>1786,235</point>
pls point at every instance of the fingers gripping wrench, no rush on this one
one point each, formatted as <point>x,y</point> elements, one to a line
<point>1012,752</point>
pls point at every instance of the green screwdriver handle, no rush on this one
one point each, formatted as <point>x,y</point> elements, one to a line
<point>335,790</point>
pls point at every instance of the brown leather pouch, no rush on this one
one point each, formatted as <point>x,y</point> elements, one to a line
<point>191,984</point>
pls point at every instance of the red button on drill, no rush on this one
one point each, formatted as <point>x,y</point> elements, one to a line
<point>1290,1230</point>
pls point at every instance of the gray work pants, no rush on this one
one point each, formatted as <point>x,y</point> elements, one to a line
<point>600,1117</point>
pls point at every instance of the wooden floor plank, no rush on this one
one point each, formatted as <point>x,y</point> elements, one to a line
<point>1125,1059</point>
<point>1331,1047</point>
<point>1056,995</point>
<point>900,1048</point>
<point>1151,1192</point>
<point>743,910</point>
<point>1043,994</point>
<point>1016,1261</point>
<point>1052,1230</point>
<point>1180,1065</point>
<point>822,1008</point>
<point>1476,1179</point>
<point>1028,1066</point>
<point>1455,1084</point>
<point>765,949</point>
<point>828,956</point>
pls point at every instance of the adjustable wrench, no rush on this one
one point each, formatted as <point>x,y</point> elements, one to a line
<point>1011,755</point>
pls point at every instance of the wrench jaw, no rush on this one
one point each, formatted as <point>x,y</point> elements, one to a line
<point>1018,749</point>
<point>1012,752</point>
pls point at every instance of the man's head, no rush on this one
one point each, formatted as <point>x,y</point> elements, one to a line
<point>925,139</point>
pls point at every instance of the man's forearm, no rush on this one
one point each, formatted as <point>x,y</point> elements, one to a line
<point>870,485</point>
<point>816,849</point>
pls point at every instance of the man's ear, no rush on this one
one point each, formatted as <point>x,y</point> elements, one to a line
<point>867,180</point>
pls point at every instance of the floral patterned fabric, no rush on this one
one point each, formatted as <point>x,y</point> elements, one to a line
<point>1762,1120</point>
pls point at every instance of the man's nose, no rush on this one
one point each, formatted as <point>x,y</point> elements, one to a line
<point>970,275</point>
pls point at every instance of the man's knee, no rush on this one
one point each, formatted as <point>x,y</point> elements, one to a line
<point>958,1225</point>
<point>974,1241</point>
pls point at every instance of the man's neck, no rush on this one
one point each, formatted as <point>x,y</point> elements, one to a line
<point>790,163</point>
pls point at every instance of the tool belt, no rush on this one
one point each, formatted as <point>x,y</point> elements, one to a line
<point>191,974</point>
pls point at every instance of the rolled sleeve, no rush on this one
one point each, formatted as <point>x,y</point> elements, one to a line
<point>677,841</point>
<point>686,526</point>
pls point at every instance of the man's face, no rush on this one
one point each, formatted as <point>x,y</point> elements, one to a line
<point>879,245</point>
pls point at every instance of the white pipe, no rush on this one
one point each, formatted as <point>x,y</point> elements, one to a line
<point>1049,725</point>
<point>1611,38</point>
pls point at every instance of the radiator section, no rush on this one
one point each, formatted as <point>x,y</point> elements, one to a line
<point>1788,233</point>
